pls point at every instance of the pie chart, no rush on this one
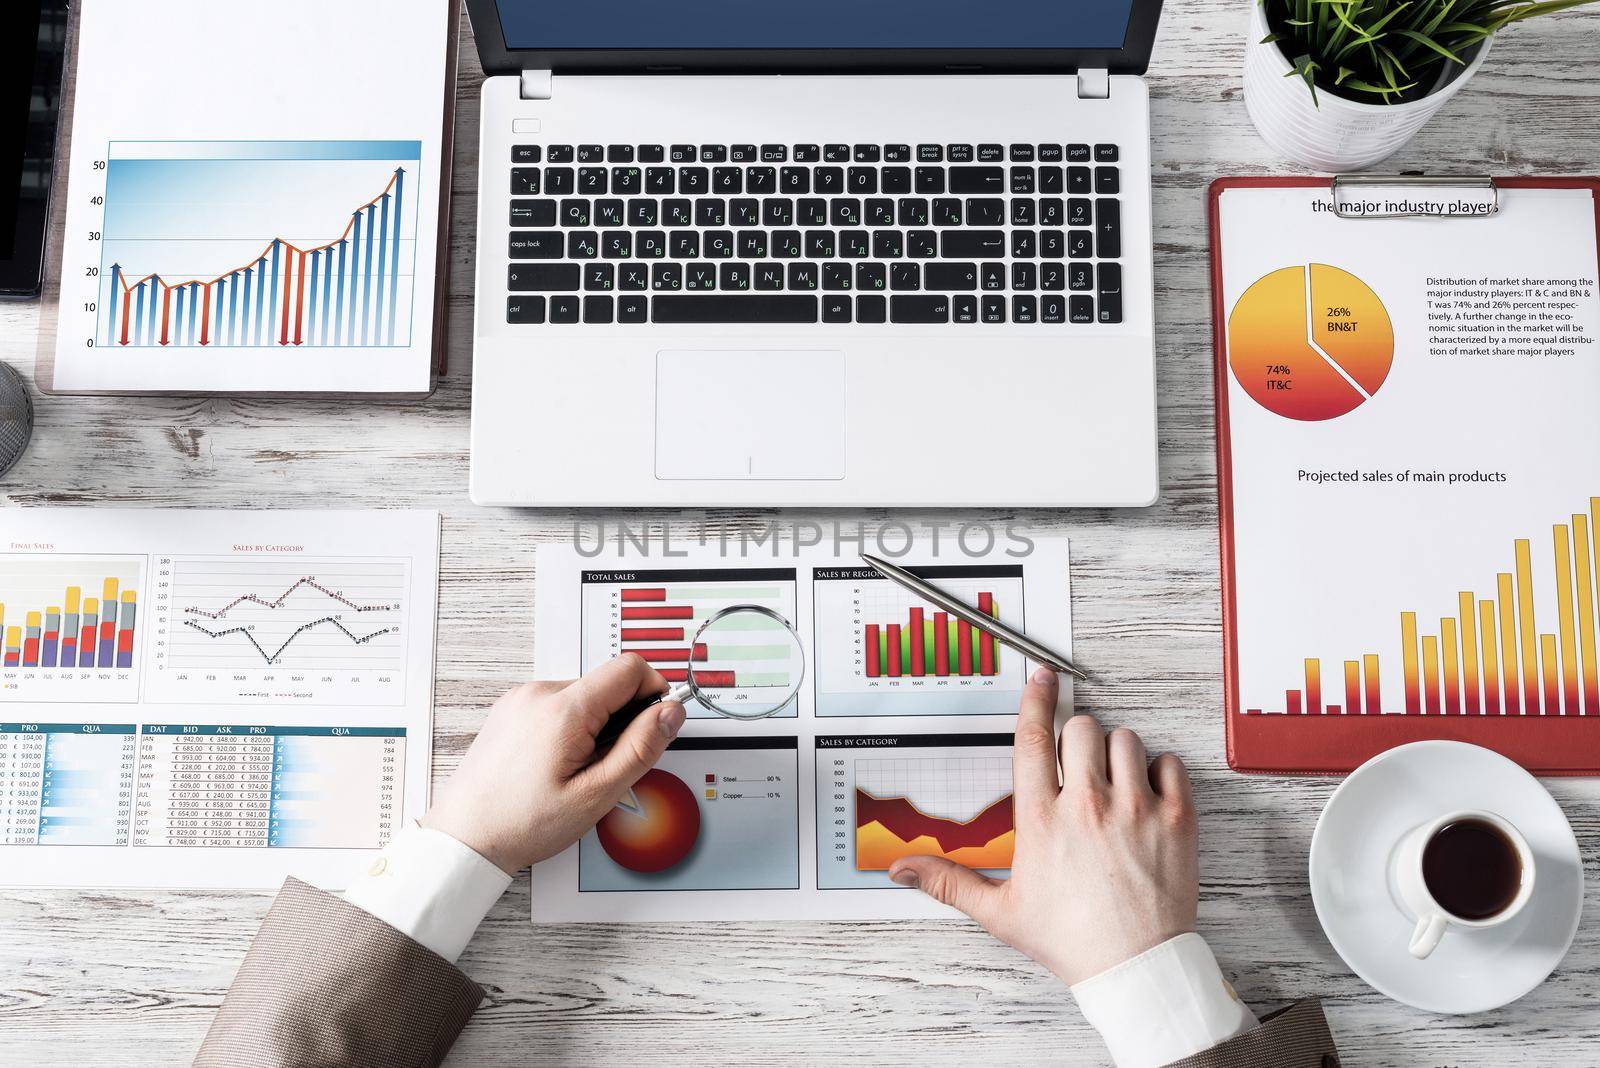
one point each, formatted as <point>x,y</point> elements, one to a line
<point>1310,342</point>
<point>654,827</point>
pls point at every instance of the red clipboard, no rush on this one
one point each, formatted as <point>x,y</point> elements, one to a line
<point>1336,744</point>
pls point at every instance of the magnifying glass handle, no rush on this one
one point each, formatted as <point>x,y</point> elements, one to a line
<point>622,717</point>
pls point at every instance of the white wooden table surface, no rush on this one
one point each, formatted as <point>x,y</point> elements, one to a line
<point>133,978</point>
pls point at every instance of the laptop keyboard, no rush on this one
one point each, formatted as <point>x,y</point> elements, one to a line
<point>874,233</point>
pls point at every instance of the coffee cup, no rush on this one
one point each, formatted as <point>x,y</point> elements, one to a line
<point>1469,869</point>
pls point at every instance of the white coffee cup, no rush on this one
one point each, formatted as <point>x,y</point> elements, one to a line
<point>1412,888</point>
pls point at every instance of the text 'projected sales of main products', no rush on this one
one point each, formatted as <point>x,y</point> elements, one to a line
<point>744,658</point>
<point>882,651</point>
<point>884,797</point>
<point>329,628</point>
<point>1489,653</point>
<point>70,626</point>
<point>258,244</point>
<point>1310,343</point>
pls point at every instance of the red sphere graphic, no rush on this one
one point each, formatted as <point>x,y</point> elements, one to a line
<point>660,832</point>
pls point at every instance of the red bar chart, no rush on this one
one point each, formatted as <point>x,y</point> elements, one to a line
<point>69,626</point>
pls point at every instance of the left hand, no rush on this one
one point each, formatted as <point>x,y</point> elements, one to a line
<point>527,789</point>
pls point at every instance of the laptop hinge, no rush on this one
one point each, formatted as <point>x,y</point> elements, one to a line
<point>1094,83</point>
<point>536,85</point>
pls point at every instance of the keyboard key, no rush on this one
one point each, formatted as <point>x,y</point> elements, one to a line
<point>1052,211</point>
<point>1107,182</point>
<point>633,276</point>
<point>745,211</point>
<point>919,309</point>
<point>660,181</point>
<point>1052,245</point>
<point>1080,244</point>
<point>880,212</point>
<point>947,212</point>
<point>700,276</point>
<point>836,276</point>
<point>1053,277</point>
<point>524,181</point>
<point>897,153</point>
<point>1078,180</point>
<point>991,153</point>
<point>684,244</point>
<point>719,244</point>
<point>666,277</point>
<point>1052,309</point>
<point>978,180</point>
<point>1050,154</point>
<point>652,154</point>
<point>1052,180</point>
<point>896,180</point>
<point>777,211</point>
<point>769,276</point>
<point>819,244</point>
<point>761,181</point>
<point>600,277</point>
<point>794,181</point>
<point>633,309</point>
<point>994,309</point>
<point>527,154</point>
<point>1105,153</point>
<point>711,212</point>
<point>627,181</point>
<point>598,310</point>
<point>973,244</point>
<point>905,276</point>
<point>1022,211</point>
<point>855,244</point>
<point>1024,276</point>
<point>735,276</point>
<point>650,244</point>
<point>563,309</point>
<point>836,153</point>
<point>872,277</point>
<point>728,181</point>
<point>723,308</point>
<point>533,213</point>
<point>743,154</point>
<point>1080,309</point>
<point>922,244</point>
<point>803,276</point>
<point>591,154</point>
<point>1023,244</point>
<point>912,211</point>
<point>752,244</point>
<point>844,211</point>
<point>574,213</point>
<point>993,276</point>
<point>1021,181</point>
<point>1080,276</point>
<point>1024,309</point>
<point>985,211</point>
<point>561,154</point>
<point>1110,293</point>
<point>1021,153</point>
<point>959,153</point>
<point>930,153</point>
<point>951,277</point>
<point>713,153</point>
<point>619,153</point>
<point>828,179</point>
<point>694,181</point>
<point>836,308</point>
<point>644,212</point>
<point>888,244</point>
<point>559,181</point>
<point>583,245</point>
<point>1079,212</point>
<point>872,309</point>
<point>964,309</point>
<point>681,154</point>
<point>774,153</point>
<point>807,153</point>
<point>1077,153</point>
<point>930,179</point>
<point>537,245</point>
<point>866,154</point>
<point>786,244</point>
<point>862,181</point>
<point>524,309</point>
<point>1108,229</point>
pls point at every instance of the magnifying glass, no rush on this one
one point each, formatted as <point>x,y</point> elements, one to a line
<point>745,662</point>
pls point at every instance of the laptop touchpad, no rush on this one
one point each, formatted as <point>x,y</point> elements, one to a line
<point>732,414</point>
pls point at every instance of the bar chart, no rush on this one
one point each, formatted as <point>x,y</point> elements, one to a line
<point>898,796</point>
<point>333,626</point>
<point>881,651</point>
<point>1492,654</point>
<point>70,627</point>
<point>258,245</point>
<point>657,614</point>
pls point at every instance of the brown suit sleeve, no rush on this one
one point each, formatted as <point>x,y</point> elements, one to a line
<point>1296,1037</point>
<point>325,983</point>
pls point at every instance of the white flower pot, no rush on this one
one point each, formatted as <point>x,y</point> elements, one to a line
<point>1340,135</point>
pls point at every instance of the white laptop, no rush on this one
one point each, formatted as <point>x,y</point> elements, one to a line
<point>838,253</point>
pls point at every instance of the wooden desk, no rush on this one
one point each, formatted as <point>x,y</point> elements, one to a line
<point>133,978</point>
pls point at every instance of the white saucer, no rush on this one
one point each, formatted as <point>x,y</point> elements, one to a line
<point>1472,970</point>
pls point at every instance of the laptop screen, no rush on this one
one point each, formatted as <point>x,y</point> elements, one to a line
<point>549,25</point>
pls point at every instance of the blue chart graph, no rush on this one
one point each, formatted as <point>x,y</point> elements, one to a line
<point>259,244</point>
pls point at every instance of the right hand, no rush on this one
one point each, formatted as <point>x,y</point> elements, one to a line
<point>1106,864</point>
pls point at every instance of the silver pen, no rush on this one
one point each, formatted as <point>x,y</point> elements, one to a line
<point>987,624</point>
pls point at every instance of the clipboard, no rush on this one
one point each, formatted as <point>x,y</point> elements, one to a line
<point>1330,740</point>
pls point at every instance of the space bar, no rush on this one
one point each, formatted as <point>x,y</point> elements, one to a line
<point>755,308</point>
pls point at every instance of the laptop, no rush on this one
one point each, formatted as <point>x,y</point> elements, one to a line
<point>832,254</point>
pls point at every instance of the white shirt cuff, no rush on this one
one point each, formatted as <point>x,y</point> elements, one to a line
<point>1167,1003</point>
<point>431,888</point>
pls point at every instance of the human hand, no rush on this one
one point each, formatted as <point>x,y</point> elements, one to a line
<point>1106,865</point>
<point>526,789</point>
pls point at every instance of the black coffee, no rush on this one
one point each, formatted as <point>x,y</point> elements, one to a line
<point>1472,869</point>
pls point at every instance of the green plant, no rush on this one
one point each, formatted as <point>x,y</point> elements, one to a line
<point>1388,51</point>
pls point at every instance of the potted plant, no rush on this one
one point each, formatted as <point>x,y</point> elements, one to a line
<point>1341,84</point>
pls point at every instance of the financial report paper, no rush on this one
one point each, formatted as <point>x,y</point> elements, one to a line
<point>211,699</point>
<point>897,743</point>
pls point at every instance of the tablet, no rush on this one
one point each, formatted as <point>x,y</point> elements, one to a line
<point>33,36</point>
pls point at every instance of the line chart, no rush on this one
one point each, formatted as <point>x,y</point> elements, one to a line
<point>234,626</point>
